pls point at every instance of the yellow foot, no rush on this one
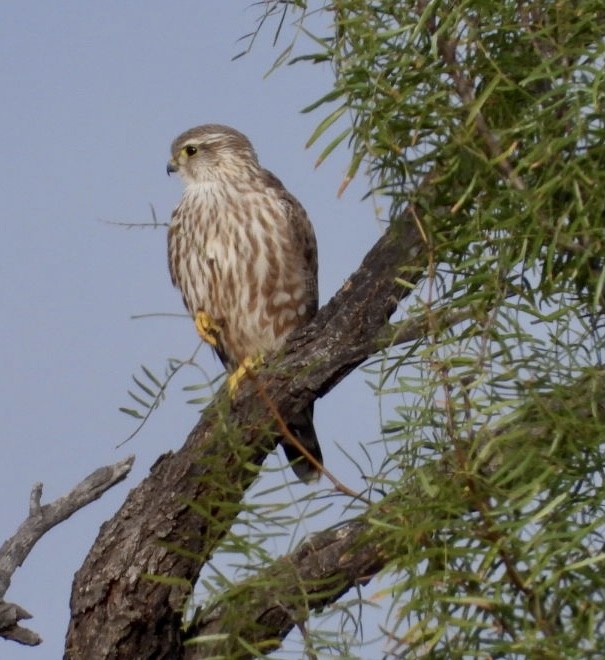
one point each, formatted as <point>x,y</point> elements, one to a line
<point>207,328</point>
<point>234,379</point>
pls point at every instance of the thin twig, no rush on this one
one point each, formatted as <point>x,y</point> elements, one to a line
<point>292,439</point>
<point>419,326</point>
<point>466,92</point>
<point>135,225</point>
<point>155,224</point>
<point>161,393</point>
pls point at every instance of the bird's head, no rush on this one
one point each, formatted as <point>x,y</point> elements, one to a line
<point>212,153</point>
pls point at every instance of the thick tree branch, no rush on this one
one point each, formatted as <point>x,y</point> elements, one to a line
<point>263,609</point>
<point>170,524</point>
<point>41,518</point>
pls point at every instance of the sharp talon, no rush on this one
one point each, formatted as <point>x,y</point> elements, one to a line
<point>207,328</point>
<point>237,376</point>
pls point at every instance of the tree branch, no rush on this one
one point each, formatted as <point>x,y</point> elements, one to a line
<point>42,518</point>
<point>262,610</point>
<point>172,521</point>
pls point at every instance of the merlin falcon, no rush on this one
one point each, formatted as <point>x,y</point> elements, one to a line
<point>243,253</point>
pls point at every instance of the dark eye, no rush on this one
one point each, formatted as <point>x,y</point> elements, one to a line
<point>190,150</point>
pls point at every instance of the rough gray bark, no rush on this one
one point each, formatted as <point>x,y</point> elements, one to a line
<point>41,518</point>
<point>170,523</point>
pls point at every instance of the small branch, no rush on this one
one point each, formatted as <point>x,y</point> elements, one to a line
<point>466,92</point>
<point>154,224</point>
<point>154,405</point>
<point>42,518</point>
<point>317,573</point>
<point>136,225</point>
<point>10,615</point>
<point>420,325</point>
<point>35,499</point>
<point>292,439</point>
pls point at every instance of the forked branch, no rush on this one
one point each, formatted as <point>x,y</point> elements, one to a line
<point>41,518</point>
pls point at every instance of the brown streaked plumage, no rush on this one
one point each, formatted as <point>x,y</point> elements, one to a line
<point>242,251</point>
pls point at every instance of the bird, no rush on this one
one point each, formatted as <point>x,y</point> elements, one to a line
<point>243,253</point>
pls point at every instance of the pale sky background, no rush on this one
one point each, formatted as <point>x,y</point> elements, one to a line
<point>92,95</point>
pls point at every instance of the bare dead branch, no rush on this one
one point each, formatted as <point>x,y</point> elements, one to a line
<point>10,615</point>
<point>41,518</point>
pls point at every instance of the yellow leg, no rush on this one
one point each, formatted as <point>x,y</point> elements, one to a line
<point>235,378</point>
<point>207,328</point>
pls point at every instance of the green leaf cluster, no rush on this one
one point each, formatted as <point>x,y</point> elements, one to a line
<point>499,104</point>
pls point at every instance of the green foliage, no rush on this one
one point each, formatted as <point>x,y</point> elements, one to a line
<point>499,529</point>
<point>489,117</point>
<point>501,104</point>
<point>150,390</point>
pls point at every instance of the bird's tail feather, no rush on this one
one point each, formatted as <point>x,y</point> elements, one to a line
<point>303,430</point>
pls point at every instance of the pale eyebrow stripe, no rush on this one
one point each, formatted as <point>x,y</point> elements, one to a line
<point>207,139</point>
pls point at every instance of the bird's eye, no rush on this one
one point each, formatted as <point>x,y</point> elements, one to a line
<point>190,150</point>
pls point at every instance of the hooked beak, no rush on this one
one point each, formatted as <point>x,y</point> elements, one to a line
<point>171,167</point>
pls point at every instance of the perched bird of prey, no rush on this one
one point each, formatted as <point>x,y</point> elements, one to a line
<point>243,253</point>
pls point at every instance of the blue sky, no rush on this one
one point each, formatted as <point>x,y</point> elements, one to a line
<point>93,94</point>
